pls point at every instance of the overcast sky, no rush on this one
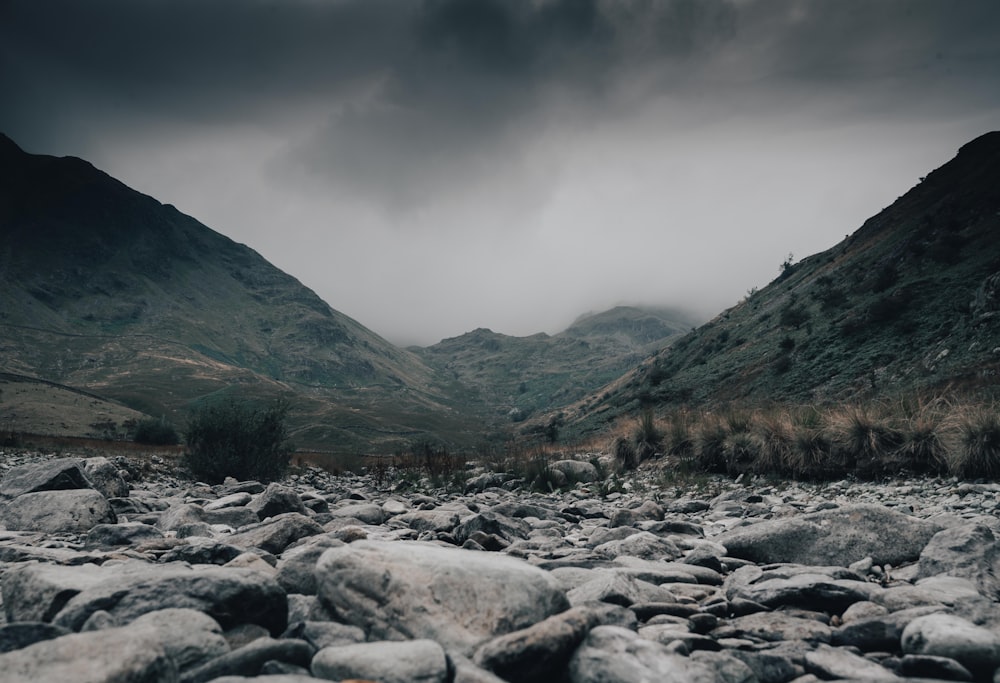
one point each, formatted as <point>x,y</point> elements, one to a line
<point>432,167</point>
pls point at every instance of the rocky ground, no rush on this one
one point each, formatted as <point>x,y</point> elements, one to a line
<point>108,574</point>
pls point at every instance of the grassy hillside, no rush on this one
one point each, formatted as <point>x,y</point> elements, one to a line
<point>910,302</point>
<point>106,289</point>
<point>516,377</point>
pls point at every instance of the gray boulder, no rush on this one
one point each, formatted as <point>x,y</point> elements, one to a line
<point>25,633</point>
<point>231,596</point>
<point>59,511</point>
<point>277,533</point>
<point>129,533</point>
<point>277,500</point>
<point>833,537</point>
<point>970,552</point>
<point>46,475</point>
<point>189,637</point>
<point>408,590</point>
<point>611,654</point>
<point>105,477</point>
<point>946,635</point>
<point>117,654</point>
<point>576,470</point>
<point>541,652</point>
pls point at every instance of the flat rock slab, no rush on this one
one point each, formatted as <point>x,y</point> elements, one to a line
<point>833,537</point>
<point>411,590</point>
<point>71,510</point>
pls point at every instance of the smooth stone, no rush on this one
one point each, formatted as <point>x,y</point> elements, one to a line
<point>411,661</point>
<point>928,666</point>
<point>947,635</point>
<point>249,659</point>
<point>117,654</point>
<point>367,513</point>
<point>189,637</point>
<point>834,662</point>
<point>879,632</point>
<point>24,633</point>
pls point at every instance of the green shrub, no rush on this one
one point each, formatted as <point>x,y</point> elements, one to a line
<point>238,440</point>
<point>156,432</point>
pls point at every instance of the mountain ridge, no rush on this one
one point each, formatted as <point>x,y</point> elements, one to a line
<point>139,293</point>
<point>909,302</point>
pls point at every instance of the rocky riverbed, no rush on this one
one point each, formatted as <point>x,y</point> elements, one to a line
<point>107,575</point>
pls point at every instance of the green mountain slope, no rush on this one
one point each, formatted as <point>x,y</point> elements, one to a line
<point>104,288</point>
<point>910,301</point>
<point>520,376</point>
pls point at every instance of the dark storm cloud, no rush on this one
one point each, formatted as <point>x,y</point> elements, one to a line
<point>447,81</point>
<point>527,146</point>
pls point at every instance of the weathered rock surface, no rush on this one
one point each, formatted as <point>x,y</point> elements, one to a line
<point>735,582</point>
<point>419,590</point>
<point>833,537</point>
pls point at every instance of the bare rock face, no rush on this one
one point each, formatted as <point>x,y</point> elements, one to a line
<point>833,537</point>
<point>403,590</point>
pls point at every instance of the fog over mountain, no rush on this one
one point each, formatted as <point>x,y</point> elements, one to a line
<point>433,167</point>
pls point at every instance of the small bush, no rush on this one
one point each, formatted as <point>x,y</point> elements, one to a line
<point>710,455</point>
<point>238,440</point>
<point>865,442</point>
<point>156,432</point>
<point>680,441</point>
<point>775,434</point>
<point>923,450</point>
<point>741,453</point>
<point>625,453</point>
<point>648,437</point>
<point>979,455</point>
